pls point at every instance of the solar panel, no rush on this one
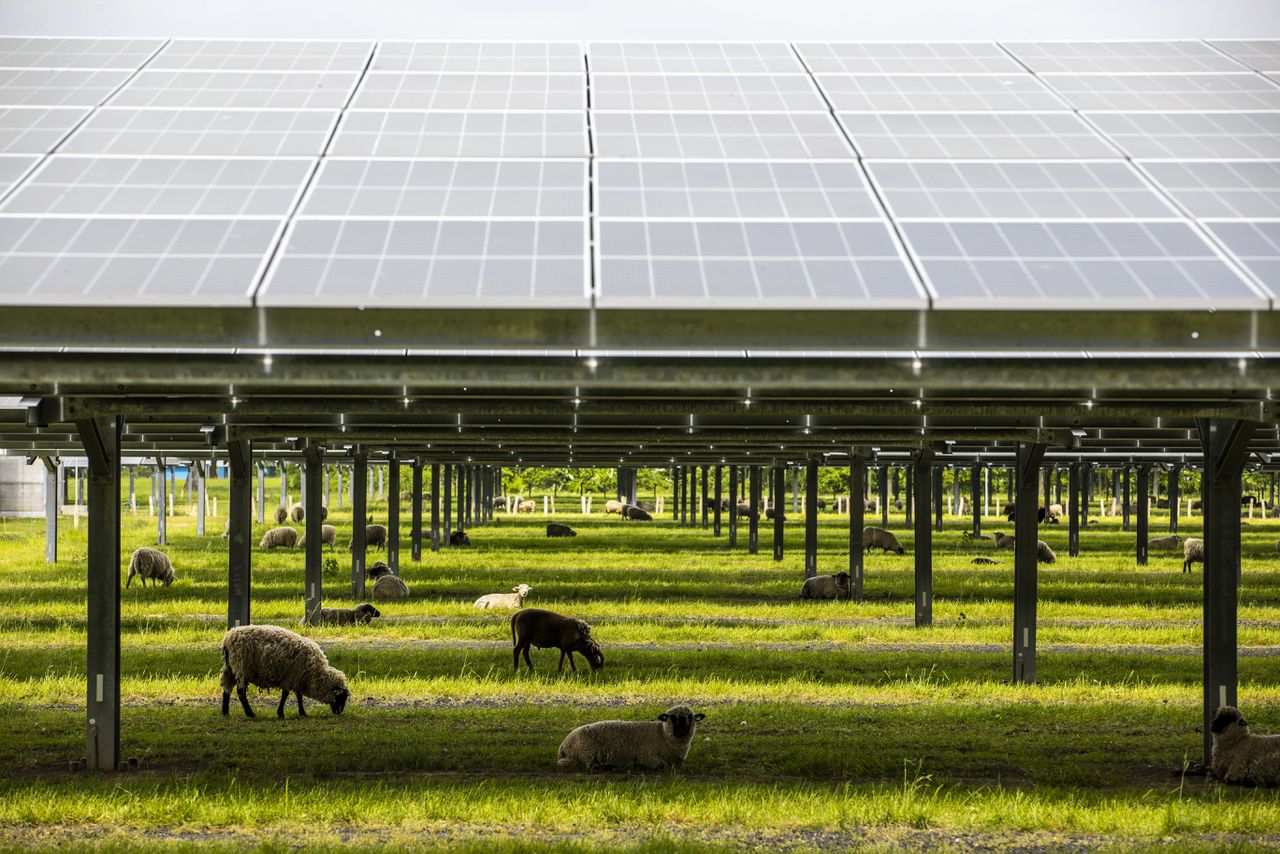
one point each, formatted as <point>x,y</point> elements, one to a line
<point>131,262</point>
<point>693,58</point>
<point>500,91</point>
<point>226,55</point>
<point>36,130</point>
<point>1166,92</point>
<point>1016,190</point>
<point>43,87</point>
<point>734,136</point>
<point>1192,135</point>
<point>442,264</point>
<point>705,93</point>
<point>212,133</point>
<point>1246,189</point>
<point>937,93</point>
<point>1121,57</point>
<point>733,190</point>
<point>752,265</point>
<point>245,90</point>
<point>908,58</point>
<point>171,187</point>
<point>1075,265</point>
<point>542,189</point>
<point>376,133</point>
<point>1256,245</point>
<point>495,57</point>
<point>974,135</point>
<point>13,167</point>
<point>1260,55</point>
<point>36,52</point>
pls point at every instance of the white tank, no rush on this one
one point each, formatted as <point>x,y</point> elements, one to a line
<point>21,487</point>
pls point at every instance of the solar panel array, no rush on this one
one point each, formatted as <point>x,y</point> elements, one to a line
<point>749,176</point>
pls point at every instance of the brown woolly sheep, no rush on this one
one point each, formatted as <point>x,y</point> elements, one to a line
<point>1238,755</point>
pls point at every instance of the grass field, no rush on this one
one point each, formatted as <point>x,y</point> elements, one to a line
<point>828,724</point>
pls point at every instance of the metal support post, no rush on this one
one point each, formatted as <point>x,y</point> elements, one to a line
<point>239,533</point>
<point>1025,562</point>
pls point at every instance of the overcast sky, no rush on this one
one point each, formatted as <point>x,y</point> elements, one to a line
<point>673,20</point>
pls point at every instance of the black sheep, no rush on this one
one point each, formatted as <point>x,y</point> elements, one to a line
<point>555,529</point>
<point>549,630</point>
<point>635,514</point>
<point>459,538</point>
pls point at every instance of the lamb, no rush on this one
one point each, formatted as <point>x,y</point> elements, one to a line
<point>613,506</point>
<point>1169,542</point>
<point>621,744</point>
<point>361,613</point>
<point>272,657</point>
<point>1192,552</point>
<point>633,513</point>
<point>879,538</point>
<point>328,537</point>
<point>282,515</point>
<point>1044,554</point>
<point>390,587</point>
<point>515,599</point>
<point>150,563</point>
<point>826,587</point>
<point>459,538</point>
<point>375,537</point>
<point>557,530</point>
<point>279,538</point>
<point>1238,755</point>
<point>547,629</point>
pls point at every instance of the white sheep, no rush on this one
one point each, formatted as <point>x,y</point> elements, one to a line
<point>515,599</point>
<point>622,744</point>
<point>1192,552</point>
<point>825,586</point>
<point>272,657</point>
<point>150,563</point>
<point>1238,755</point>
<point>390,587</point>
<point>328,537</point>
<point>1169,542</point>
<point>279,538</point>
<point>613,506</point>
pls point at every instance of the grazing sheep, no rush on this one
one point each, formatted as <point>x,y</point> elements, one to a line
<point>150,563</point>
<point>1004,541</point>
<point>634,514</point>
<point>376,571</point>
<point>879,538</point>
<point>282,515</point>
<point>297,513</point>
<point>459,538</point>
<point>613,506</point>
<point>328,537</point>
<point>771,513</point>
<point>1044,554</point>
<point>623,744</point>
<point>499,503</point>
<point>1169,542</point>
<point>1192,552</point>
<point>547,629</point>
<point>515,599</point>
<point>744,509</point>
<point>984,561</point>
<point>1238,755</point>
<point>390,587</point>
<point>1011,514</point>
<point>555,529</point>
<point>361,613</point>
<point>279,538</point>
<point>272,657</point>
<point>525,506</point>
<point>871,505</point>
<point>1055,510</point>
<point>826,586</point>
<point>375,537</point>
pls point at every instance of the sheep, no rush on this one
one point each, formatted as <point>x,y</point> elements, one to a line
<point>361,613</point>
<point>632,513</point>
<point>650,507</point>
<point>282,515</point>
<point>376,571</point>
<point>547,629</point>
<point>1192,552</point>
<point>1238,755</point>
<point>1055,510</point>
<point>525,506</point>
<point>390,587</point>
<point>771,513</point>
<point>375,537</point>
<point>272,657</point>
<point>499,502</point>
<point>297,513</point>
<point>555,529</point>
<point>515,599</point>
<point>1042,514</point>
<point>621,744</point>
<point>984,561</point>
<point>1004,541</point>
<point>459,538</point>
<point>613,506</point>
<point>150,563</point>
<point>826,586</point>
<point>879,538</point>
<point>1044,554</point>
<point>279,538</point>
<point>1169,542</point>
<point>328,537</point>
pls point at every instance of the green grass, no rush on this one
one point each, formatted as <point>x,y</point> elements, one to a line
<point>829,724</point>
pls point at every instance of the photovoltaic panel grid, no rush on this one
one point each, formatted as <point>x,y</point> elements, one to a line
<point>693,58</point>
<point>464,91</point>
<point>1223,135</point>
<point>1256,244</point>
<point>1127,57</point>
<point>908,58</point>
<point>705,92</point>
<point>1166,92</point>
<point>252,90</point>
<point>218,55</point>
<point>479,57</point>
<point>13,167</point>
<point>970,135</point>
<point>54,87</point>
<point>914,93</point>
<point>1221,189</point>
<point>38,52</point>
<point>1260,55</point>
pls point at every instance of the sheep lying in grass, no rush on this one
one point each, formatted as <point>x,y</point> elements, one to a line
<point>150,563</point>
<point>1044,554</point>
<point>376,571</point>
<point>279,538</point>
<point>390,587</point>
<point>515,599</point>
<point>282,515</point>
<point>272,657</point>
<point>547,629</point>
<point>879,538</point>
<point>1192,552</point>
<point>1169,542</point>
<point>361,613</point>
<point>459,538</point>
<point>633,513</point>
<point>1003,540</point>
<point>555,529</point>
<point>826,586</point>
<point>1239,756</point>
<point>625,744</point>
<point>328,537</point>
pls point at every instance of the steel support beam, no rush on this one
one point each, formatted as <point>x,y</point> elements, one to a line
<point>936,474</point>
<point>162,502</point>
<point>437,536</point>
<point>100,438</point>
<point>1074,510</point>
<point>393,513</point>
<point>779,499</point>
<point>1124,501</point>
<point>262,494</point>
<point>50,509</point>
<point>706,514</point>
<point>1224,444</point>
<point>313,459</point>
<point>715,528</point>
<point>677,477</point>
<point>733,506</point>
<point>910,501</point>
<point>857,507</point>
<point>884,499</point>
<point>975,507</point>
<point>921,466</point>
<point>1175,496</point>
<point>1025,561</point>
<point>198,468</point>
<point>1086,497</point>
<point>415,511</point>
<point>360,512</point>
<point>753,521</point>
<point>239,534</point>
<point>811,518</point>
<point>1144,492</point>
<point>445,506</point>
